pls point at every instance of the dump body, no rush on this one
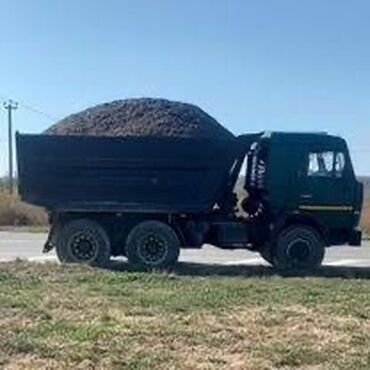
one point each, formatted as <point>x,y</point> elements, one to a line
<point>103,174</point>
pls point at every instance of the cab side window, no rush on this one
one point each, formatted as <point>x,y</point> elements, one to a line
<point>339,165</point>
<point>326,164</point>
<point>320,164</point>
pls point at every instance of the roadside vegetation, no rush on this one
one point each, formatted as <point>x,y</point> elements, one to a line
<point>60,317</point>
<point>14,212</point>
<point>366,217</point>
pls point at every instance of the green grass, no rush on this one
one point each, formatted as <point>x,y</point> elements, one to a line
<point>77,317</point>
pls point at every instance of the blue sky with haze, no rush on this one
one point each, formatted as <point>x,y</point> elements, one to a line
<point>254,65</point>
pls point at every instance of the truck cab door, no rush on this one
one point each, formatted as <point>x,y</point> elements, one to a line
<point>327,186</point>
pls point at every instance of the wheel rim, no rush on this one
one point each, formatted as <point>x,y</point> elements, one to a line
<point>152,249</point>
<point>299,252</point>
<point>84,246</point>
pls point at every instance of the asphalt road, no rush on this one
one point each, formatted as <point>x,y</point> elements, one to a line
<point>29,246</point>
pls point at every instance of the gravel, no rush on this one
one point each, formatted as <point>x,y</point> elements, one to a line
<point>142,117</point>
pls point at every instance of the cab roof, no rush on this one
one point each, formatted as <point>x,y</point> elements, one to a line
<point>296,137</point>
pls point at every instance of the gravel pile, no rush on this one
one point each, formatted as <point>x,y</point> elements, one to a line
<point>142,117</point>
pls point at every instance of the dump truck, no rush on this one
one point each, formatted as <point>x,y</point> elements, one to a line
<point>145,198</point>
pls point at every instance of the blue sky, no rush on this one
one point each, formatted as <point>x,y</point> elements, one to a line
<point>254,65</point>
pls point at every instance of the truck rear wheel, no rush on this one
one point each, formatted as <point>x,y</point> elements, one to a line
<point>152,245</point>
<point>83,241</point>
<point>299,247</point>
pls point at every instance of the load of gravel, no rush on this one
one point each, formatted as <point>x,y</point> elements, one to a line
<point>142,117</point>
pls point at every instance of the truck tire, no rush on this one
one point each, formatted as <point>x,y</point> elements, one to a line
<point>299,247</point>
<point>83,241</point>
<point>152,245</point>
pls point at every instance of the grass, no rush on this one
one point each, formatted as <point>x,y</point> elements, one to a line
<point>60,317</point>
<point>14,212</point>
<point>365,222</point>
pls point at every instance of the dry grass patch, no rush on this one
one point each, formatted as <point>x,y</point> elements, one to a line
<point>14,212</point>
<point>365,221</point>
<point>60,317</point>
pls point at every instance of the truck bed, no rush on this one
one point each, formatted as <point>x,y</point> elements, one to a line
<point>98,174</point>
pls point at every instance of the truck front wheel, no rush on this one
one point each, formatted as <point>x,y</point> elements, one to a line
<point>299,247</point>
<point>83,241</point>
<point>152,245</point>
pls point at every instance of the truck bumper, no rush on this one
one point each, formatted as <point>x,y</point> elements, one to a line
<point>355,238</point>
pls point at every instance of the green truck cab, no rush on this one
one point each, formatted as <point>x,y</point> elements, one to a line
<point>304,181</point>
<point>146,198</point>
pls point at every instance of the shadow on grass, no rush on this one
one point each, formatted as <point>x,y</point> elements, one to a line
<point>207,270</point>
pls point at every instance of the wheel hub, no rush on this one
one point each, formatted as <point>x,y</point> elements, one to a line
<point>152,249</point>
<point>84,246</point>
<point>299,251</point>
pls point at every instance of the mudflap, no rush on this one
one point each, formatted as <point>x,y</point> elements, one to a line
<point>355,238</point>
<point>51,240</point>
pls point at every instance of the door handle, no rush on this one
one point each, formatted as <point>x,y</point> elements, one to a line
<point>306,196</point>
